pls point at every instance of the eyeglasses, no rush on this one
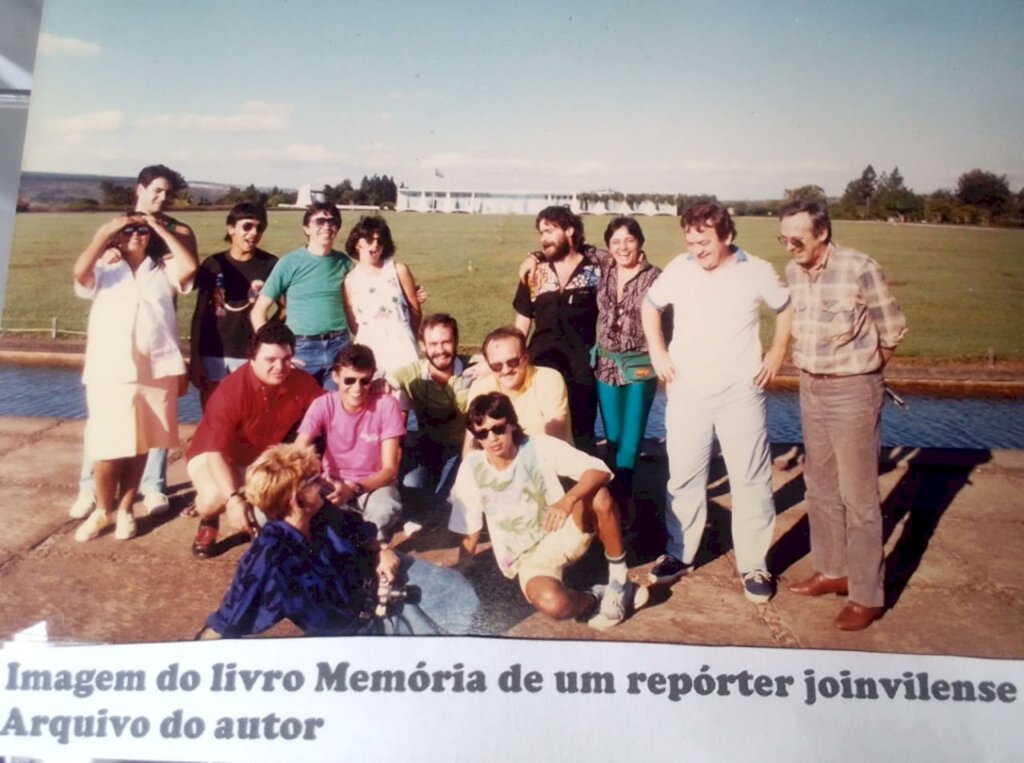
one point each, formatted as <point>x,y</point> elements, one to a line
<point>313,479</point>
<point>362,381</point>
<point>498,429</point>
<point>796,243</point>
<point>142,230</point>
<point>250,227</point>
<point>324,222</point>
<point>512,364</point>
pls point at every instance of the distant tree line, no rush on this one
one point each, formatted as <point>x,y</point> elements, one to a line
<point>980,198</point>
<point>379,190</point>
<point>272,198</point>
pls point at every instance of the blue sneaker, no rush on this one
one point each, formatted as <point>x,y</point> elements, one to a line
<point>758,586</point>
<point>667,570</point>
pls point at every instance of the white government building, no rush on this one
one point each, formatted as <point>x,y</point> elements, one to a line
<point>516,203</point>
<point>499,202</point>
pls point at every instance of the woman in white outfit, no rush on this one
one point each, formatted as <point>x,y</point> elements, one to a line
<point>133,366</point>
<point>380,296</point>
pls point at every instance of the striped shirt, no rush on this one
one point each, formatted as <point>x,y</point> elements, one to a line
<point>844,314</point>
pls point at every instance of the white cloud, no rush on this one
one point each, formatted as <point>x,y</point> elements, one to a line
<point>382,116</point>
<point>110,120</point>
<point>254,116</point>
<point>52,45</point>
<point>294,152</point>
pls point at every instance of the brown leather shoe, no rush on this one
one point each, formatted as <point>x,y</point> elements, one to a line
<point>856,617</point>
<point>818,584</point>
<point>206,540</point>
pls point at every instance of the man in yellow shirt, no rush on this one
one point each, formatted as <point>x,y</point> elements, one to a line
<point>538,394</point>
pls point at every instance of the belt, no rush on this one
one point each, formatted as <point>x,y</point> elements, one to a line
<point>325,335</point>
<point>839,376</point>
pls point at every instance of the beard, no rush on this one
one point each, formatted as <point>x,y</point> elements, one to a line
<point>434,360</point>
<point>557,252</point>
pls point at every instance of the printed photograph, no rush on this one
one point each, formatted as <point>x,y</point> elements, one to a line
<point>677,323</point>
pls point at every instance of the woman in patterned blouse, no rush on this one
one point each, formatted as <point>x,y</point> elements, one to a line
<point>624,402</point>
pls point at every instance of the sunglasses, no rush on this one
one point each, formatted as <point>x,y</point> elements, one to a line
<point>498,429</point>
<point>796,243</point>
<point>362,381</point>
<point>311,480</point>
<point>142,230</point>
<point>250,227</point>
<point>324,222</point>
<point>512,364</point>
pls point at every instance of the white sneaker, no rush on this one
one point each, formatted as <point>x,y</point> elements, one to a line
<point>83,505</point>
<point>125,526</point>
<point>155,503</point>
<point>94,525</point>
<point>617,602</point>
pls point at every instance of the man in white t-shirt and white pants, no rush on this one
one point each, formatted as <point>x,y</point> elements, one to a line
<point>715,377</point>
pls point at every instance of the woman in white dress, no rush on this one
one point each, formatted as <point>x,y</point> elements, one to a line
<point>133,366</point>
<point>380,296</point>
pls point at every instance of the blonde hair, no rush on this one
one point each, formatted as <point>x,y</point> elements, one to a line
<point>273,479</point>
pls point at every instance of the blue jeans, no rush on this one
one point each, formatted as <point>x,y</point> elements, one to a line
<point>427,464</point>
<point>217,369</point>
<point>316,356</point>
<point>154,478</point>
<point>447,603</point>
<point>382,507</point>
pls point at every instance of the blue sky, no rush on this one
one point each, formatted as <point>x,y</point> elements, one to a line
<point>740,99</point>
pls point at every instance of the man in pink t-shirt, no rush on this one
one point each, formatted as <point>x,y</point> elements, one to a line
<point>363,431</point>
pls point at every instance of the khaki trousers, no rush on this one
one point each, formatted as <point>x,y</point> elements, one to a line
<point>841,419</point>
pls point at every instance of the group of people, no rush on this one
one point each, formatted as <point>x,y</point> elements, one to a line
<point>329,351</point>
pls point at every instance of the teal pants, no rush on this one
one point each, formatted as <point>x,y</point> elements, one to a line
<point>624,413</point>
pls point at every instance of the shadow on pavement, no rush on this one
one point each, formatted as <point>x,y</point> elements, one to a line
<point>921,497</point>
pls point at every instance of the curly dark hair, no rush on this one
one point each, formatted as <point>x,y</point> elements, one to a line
<point>357,356</point>
<point>367,227</point>
<point>709,215</point>
<point>271,332</point>
<point>564,218</point>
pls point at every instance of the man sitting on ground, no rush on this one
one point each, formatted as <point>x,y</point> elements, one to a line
<point>538,394</point>
<point>536,528</point>
<point>363,430</point>
<point>255,407</point>
<point>322,568</point>
<point>435,389</point>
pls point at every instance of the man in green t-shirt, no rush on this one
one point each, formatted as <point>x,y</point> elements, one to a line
<point>310,280</point>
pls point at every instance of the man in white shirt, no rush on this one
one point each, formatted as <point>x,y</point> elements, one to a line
<point>715,376</point>
<point>536,528</point>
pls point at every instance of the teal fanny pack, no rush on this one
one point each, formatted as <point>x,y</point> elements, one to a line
<point>635,366</point>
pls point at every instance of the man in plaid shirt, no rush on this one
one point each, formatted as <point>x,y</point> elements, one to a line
<point>846,327</point>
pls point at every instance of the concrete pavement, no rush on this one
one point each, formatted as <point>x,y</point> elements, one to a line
<point>953,519</point>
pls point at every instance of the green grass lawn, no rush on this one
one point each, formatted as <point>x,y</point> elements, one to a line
<point>962,289</point>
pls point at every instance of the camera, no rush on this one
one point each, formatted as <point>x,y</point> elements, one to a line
<point>382,595</point>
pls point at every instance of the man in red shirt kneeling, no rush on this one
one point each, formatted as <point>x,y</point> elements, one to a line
<point>256,406</point>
